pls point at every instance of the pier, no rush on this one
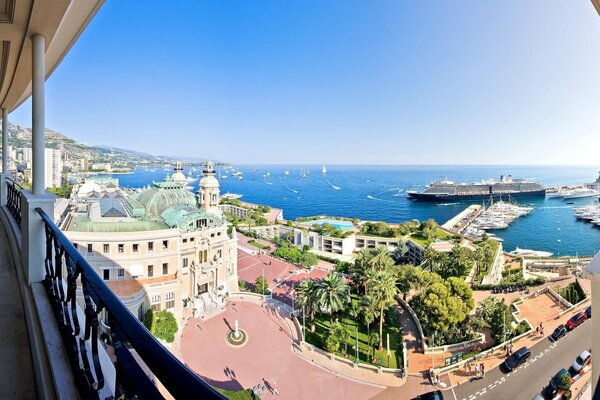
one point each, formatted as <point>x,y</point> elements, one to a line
<point>462,220</point>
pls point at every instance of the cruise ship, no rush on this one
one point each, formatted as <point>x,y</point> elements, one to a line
<point>452,191</point>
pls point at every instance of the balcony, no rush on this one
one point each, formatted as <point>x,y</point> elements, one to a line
<point>61,330</point>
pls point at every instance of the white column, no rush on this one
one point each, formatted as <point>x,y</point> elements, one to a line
<point>4,141</point>
<point>38,113</point>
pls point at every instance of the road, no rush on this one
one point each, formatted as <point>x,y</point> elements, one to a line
<point>547,358</point>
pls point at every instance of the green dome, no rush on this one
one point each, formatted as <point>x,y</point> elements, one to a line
<point>157,199</point>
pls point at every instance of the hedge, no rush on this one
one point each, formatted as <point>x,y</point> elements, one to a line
<point>506,285</point>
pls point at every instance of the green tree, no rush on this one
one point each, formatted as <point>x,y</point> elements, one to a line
<point>368,305</point>
<point>384,290</point>
<point>332,294</point>
<point>332,342</point>
<point>306,294</point>
<point>309,259</point>
<point>161,324</point>
<point>379,258</point>
<point>400,252</point>
<point>408,279</point>
<point>261,285</point>
<point>565,382</point>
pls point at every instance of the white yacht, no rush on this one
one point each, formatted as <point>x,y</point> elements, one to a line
<point>579,193</point>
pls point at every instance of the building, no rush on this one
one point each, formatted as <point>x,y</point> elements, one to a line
<point>27,154</point>
<point>54,167</point>
<point>157,248</point>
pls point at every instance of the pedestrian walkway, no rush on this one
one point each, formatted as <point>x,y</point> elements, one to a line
<point>16,380</point>
<point>540,309</point>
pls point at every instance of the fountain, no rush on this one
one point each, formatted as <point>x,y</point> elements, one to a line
<point>236,337</point>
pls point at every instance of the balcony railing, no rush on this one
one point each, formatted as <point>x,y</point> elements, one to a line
<point>66,270</point>
<point>13,199</point>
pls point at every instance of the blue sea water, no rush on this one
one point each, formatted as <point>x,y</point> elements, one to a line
<point>379,193</point>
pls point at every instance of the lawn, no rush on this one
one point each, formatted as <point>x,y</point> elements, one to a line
<point>322,327</point>
<point>424,242</point>
<point>245,394</point>
<point>258,245</point>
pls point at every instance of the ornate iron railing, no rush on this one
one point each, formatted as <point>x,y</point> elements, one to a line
<point>64,268</point>
<point>13,199</point>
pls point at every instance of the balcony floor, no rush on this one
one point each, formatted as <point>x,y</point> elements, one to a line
<point>16,379</point>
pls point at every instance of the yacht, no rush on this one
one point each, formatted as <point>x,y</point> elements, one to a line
<point>579,193</point>
<point>531,253</point>
<point>323,170</point>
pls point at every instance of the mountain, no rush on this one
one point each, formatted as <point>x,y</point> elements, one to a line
<point>20,137</point>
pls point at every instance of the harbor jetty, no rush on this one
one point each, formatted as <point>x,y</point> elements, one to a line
<point>461,221</point>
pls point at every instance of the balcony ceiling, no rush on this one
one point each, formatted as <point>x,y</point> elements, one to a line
<point>596,4</point>
<point>59,21</point>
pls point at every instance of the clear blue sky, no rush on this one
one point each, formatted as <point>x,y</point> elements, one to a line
<point>369,82</point>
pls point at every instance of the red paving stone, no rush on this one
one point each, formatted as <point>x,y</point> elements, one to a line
<point>267,357</point>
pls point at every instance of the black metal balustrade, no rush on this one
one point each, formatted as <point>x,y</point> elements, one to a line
<point>13,199</point>
<point>64,267</point>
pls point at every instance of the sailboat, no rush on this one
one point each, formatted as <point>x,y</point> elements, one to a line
<point>303,173</point>
<point>323,170</point>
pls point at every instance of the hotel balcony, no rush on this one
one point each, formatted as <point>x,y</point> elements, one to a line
<point>54,306</point>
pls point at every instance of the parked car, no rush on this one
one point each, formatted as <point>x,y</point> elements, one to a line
<point>554,384</point>
<point>436,395</point>
<point>576,320</point>
<point>588,312</point>
<point>538,397</point>
<point>582,360</point>
<point>517,358</point>
<point>559,332</point>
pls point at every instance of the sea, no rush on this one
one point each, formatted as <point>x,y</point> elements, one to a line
<point>378,193</point>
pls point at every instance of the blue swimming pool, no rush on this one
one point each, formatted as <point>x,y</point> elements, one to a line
<point>343,225</point>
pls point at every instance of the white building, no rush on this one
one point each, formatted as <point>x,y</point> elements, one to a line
<point>54,167</point>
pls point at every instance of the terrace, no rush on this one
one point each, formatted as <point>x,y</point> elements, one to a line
<point>55,306</point>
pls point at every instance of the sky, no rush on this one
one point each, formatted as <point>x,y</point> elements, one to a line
<point>336,82</point>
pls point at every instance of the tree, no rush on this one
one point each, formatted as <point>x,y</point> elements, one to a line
<point>408,278</point>
<point>261,285</point>
<point>399,254</point>
<point>565,382</point>
<point>443,304</point>
<point>373,339</point>
<point>161,324</point>
<point>384,290</point>
<point>429,259</point>
<point>306,297</point>
<point>332,294</point>
<point>332,342</point>
<point>368,307</point>
<point>379,258</point>
<point>309,259</point>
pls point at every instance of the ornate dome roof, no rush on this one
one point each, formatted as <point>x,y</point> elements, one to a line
<point>209,182</point>
<point>156,199</point>
<point>178,177</point>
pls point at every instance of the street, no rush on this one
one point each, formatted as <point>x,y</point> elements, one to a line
<point>546,359</point>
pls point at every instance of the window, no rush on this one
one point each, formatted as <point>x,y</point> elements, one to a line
<point>74,244</point>
<point>106,248</point>
<point>184,240</point>
<point>165,244</point>
<point>150,246</point>
<point>90,248</point>
<point>135,247</point>
<point>165,268</point>
<point>121,248</point>
<point>121,273</point>
<point>184,262</point>
<point>212,235</point>
<point>150,271</point>
<point>106,274</point>
<point>155,302</point>
<point>170,303</point>
<point>191,239</point>
<point>218,233</point>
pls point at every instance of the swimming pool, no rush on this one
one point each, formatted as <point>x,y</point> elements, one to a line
<point>343,225</point>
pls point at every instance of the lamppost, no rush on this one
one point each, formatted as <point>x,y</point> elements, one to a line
<point>303,323</point>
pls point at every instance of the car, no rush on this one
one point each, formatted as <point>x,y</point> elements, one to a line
<point>559,332</point>
<point>436,395</point>
<point>582,360</point>
<point>588,312</point>
<point>538,397</point>
<point>517,358</point>
<point>576,320</point>
<point>554,384</point>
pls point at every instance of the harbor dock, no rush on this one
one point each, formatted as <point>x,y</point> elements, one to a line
<point>462,220</point>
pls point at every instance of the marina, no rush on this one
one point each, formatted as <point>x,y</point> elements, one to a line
<point>378,193</point>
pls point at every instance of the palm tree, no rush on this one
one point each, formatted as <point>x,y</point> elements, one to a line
<point>368,306</point>
<point>306,297</point>
<point>429,259</point>
<point>400,252</point>
<point>332,294</point>
<point>379,258</point>
<point>359,269</point>
<point>384,290</point>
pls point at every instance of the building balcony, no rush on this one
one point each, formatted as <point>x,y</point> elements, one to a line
<point>54,303</point>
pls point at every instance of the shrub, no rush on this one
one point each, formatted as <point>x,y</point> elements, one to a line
<point>261,285</point>
<point>242,284</point>
<point>161,324</point>
<point>521,328</point>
